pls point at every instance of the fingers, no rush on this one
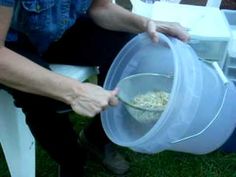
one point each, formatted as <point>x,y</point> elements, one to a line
<point>179,31</point>
<point>89,110</point>
<point>115,92</point>
<point>83,110</point>
<point>94,100</point>
<point>170,28</point>
<point>152,31</point>
<point>95,105</point>
<point>113,101</point>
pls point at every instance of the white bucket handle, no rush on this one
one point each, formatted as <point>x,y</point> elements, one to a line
<point>225,82</point>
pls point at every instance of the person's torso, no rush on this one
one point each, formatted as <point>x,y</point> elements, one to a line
<point>44,21</point>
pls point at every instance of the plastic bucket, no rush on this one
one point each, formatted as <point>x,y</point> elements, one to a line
<point>199,116</point>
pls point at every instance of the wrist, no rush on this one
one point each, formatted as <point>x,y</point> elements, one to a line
<point>69,89</point>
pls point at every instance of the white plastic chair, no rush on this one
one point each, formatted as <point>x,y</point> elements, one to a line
<point>16,140</point>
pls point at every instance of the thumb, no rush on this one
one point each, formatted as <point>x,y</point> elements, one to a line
<point>113,99</point>
<point>115,92</point>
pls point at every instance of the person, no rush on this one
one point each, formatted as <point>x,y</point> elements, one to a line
<point>34,33</point>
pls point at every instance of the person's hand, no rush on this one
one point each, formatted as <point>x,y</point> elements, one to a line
<point>169,28</point>
<point>91,99</point>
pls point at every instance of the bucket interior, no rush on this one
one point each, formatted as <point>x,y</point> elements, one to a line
<point>144,57</point>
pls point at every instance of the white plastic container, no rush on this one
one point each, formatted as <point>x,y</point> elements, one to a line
<point>152,1</point>
<point>207,27</point>
<point>200,114</point>
<point>145,7</point>
<point>230,68</point>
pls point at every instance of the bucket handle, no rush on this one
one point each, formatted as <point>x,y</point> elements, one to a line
<point>225,82</point>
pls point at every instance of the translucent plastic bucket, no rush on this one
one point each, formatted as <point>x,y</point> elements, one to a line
<point>200,114</point>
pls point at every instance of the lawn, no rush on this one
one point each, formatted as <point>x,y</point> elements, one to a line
<point>164,164</point>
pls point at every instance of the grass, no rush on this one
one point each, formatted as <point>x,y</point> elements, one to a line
<point>164,164</point>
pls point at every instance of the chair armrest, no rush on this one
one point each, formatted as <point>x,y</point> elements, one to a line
<point>81,73</point>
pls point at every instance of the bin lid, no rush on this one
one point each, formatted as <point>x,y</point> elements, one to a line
<point>203,22</point>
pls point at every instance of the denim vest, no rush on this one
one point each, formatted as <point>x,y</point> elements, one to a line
<point>44,21</point>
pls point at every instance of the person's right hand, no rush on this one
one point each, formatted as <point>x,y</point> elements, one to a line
<point>91,99</point>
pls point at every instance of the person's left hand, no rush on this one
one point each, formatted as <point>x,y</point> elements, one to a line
<point>169,28</point>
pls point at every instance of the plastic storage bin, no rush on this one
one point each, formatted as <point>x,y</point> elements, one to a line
<point>201,106</point>
<point>230,67</point>
<point>207,27</point>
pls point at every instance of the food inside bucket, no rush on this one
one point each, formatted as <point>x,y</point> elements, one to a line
<point>145,95</point>
<point>148,107</point>
<point>151,100</point>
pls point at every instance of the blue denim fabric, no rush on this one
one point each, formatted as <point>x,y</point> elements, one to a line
<point>7,2</point>
<point>44,21</point>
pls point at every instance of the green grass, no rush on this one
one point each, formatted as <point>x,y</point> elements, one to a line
<point>164,164</point>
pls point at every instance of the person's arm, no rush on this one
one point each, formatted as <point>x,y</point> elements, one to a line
<point>20,73</point>
<point>113,17</point>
